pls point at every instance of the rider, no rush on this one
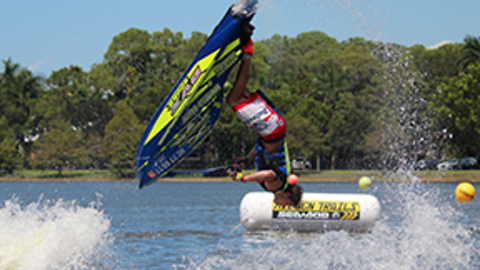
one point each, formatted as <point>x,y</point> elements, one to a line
<point>270,152</point>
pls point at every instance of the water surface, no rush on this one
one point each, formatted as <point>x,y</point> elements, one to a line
<point>114,225</point>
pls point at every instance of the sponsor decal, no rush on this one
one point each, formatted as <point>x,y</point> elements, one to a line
<point>259,126</point>
<point>151,174</point>
<point>318,210</point>
<point>228,61</point>
<point>202,103</point>
<point>264,112</point>
<point>180,97</point>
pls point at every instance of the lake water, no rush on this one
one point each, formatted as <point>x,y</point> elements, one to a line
<point>114,225</point>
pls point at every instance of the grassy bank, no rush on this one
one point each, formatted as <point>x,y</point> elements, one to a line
<point>472,176</point>
<point>51,175</point>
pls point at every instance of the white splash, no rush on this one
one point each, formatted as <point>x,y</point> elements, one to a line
<point>51,235</point>
<point>418,230</point>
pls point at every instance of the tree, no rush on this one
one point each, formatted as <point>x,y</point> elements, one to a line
<point>457,103</point>
<point>144,67</point>
<point>330,83</point>
<point>347,130</point>
<point>306,119</point>
<point>131,48</point>
<point>436,64</point>
<point>171,56</point>
<point>470,53</point>
<point>59,148</point>
<point>358,101</point>
<point>72,96</point>
<point>128,55</point>
<point>20,91</point>
<point>303,137</point>
<point>8,148</point>
<point>121,139</point>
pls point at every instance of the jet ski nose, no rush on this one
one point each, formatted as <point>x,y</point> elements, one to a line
<point>244,8</point>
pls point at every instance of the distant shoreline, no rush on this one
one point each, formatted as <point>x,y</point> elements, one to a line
<point>307,177</point>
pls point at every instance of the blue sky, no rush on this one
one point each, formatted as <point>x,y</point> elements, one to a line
<point>47,35</point>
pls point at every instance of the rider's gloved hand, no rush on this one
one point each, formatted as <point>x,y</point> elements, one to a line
<point>235,172</point>
<point>237,176</point>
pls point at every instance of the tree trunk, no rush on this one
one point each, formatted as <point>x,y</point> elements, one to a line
<point>318,163</point>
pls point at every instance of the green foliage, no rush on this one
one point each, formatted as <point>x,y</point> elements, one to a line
<point>70,94</point>
<point>131,48</point>
<point>341,101</point>
<point>8,155</point>
<point>458,103</point>
<point>470,53</point>
<point>139,64</point>
<point>347,130</point>
<point>121,139</point>
<point>8,148</point>
<point>59,148</point>
<point>20,92</point>
<point>303,139</point>
<point>436,63</point>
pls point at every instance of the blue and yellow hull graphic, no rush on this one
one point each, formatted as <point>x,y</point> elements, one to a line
<point>188,113</point>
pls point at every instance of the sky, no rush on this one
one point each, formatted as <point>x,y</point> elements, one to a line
<point>45,36</point>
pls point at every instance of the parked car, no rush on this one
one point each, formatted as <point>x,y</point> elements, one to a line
<point>301,163</point>
<point>451,164</point>
<point>468,163</point>
<point>426,164</point>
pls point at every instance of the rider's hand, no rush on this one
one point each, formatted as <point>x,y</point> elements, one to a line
<point>237,176</point>
<point>235,172</point>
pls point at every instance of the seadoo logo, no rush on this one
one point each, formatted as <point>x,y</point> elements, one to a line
<point>302,215</point>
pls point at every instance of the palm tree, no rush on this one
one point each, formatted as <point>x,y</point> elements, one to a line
<point>19,92</point>
<point>470,53</point>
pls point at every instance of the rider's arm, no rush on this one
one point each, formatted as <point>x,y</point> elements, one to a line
<point>261,176</point>
<point>240,85</point>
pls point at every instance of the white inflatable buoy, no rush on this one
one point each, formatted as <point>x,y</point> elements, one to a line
<point>318,212</point>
